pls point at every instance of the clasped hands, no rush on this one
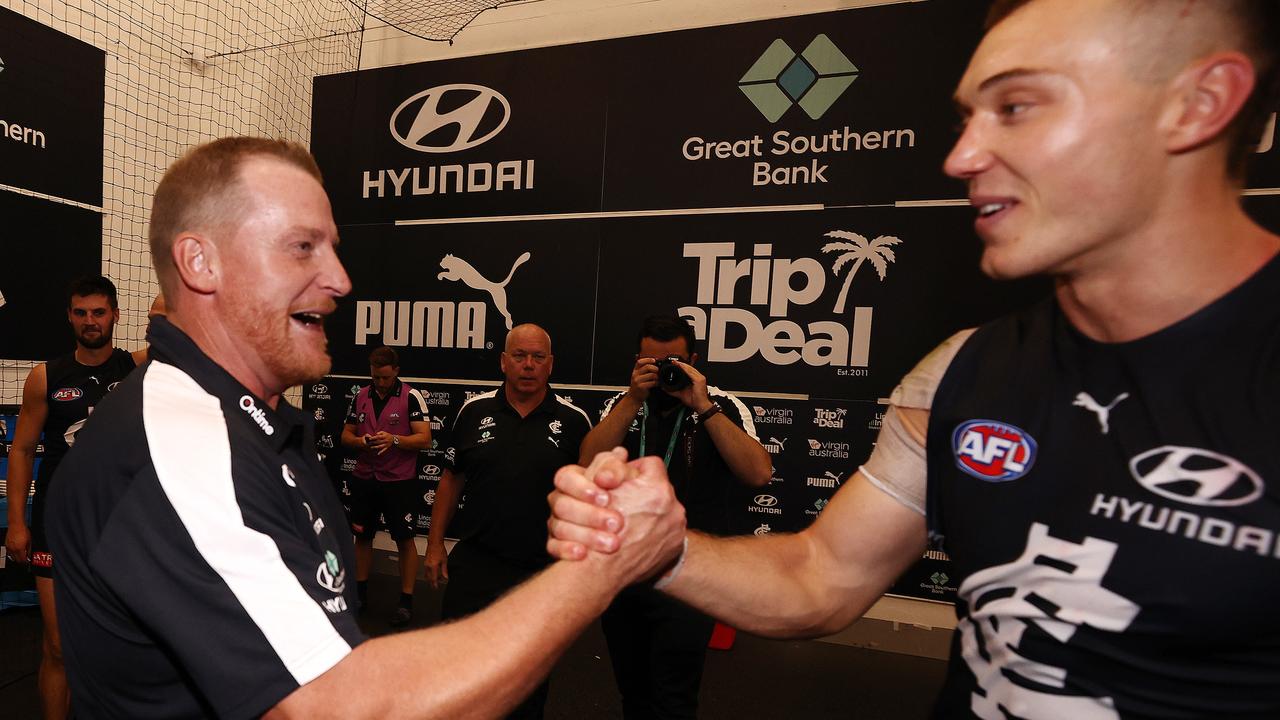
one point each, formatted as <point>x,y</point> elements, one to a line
<point>624,511</point>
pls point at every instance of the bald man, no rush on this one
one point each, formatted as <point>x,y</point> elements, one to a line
<point>504,450</point>
<point>1102,468</point>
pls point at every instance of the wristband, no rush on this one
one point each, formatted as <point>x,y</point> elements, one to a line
<point>669,576</point>
<point>711,412</point>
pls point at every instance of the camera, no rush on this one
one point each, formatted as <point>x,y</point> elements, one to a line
<point>670,376</point>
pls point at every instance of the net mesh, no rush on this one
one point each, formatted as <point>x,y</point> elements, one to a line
<point>179,73</point>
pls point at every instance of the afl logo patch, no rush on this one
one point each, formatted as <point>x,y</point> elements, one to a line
<point>65,394</point>
<point>993,451</point>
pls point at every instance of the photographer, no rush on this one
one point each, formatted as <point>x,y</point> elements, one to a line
<point>707,440</point>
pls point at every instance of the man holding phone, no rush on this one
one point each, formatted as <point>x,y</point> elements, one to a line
<point>388,423</point>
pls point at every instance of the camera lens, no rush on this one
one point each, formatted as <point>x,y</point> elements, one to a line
<point>670,376</point>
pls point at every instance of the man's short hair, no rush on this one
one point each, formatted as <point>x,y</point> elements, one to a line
<point>666,328</point>
<point>200,190</point>
<point>92,285</point>
<point>384,357</point>
<point>1257,23</point>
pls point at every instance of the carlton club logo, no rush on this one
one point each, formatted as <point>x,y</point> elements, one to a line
<point>450,118</point>
<point>813,79</point>
<point>993,451</point>
<point>1196,476</point>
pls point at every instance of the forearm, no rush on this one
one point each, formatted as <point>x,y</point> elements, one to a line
<point>351,440</point>
<point>775,586</point>
<point>746,458</point>
<point>416,441</point>
<point>18,484</point>
<point>609,433</point>
<point>495,658</point>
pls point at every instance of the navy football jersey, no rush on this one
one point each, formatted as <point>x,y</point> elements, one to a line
<point>1113,514</point>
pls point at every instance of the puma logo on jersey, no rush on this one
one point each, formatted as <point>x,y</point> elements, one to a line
<point>455,268</point>
<point>1086,401</point>
<point>993,451</point>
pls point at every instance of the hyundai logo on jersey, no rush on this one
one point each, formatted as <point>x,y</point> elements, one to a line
<point>993,451</point>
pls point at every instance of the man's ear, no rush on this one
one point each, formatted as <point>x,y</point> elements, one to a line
<point>197,261</point>
<point>1205,98</point>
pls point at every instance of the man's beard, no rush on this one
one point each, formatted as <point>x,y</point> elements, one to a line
<point>102,340</point>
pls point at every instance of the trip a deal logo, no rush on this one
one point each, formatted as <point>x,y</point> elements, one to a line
<point>993,451</point>
<point>749,306</point>
<point>438,122</point>
<point>812,82</point>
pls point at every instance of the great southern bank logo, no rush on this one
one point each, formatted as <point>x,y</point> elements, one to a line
<point>450,118</point>
<point>813,79</point>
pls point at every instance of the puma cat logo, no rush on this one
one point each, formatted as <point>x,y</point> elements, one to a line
<point>455,268</point>
<point>1103,412</point>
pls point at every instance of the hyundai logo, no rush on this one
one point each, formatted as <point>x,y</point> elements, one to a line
<point>766,500</point>
<point>1196,476</point>
<point>463,127</point>
<point>320,389</point>
<point>431,469</point>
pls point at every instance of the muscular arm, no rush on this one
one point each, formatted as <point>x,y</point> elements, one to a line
<point>31,419</point>
<point>811,583</point>
<point>611,430</point>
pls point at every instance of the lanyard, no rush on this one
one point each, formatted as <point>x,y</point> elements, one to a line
<point>675,433</point>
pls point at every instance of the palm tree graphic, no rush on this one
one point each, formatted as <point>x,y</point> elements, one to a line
<point>858,249</point>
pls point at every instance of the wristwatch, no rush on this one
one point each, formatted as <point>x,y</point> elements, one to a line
<point>395,440</point>
<point>710,412</point>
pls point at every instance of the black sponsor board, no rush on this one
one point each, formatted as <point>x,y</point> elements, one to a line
<point>1264,164</point>
<point>829,304</point>
<point>1265,210</point>
<point>706,117</point>
<point>835,108</point>
<point>49,246</point>
<point>445,296</point>
<point>51,112</point>
<point>514,133</point>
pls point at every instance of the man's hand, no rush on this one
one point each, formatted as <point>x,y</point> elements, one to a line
<point>380,441</point>
<point>613,507</point>
<point>18,543</point>
<point>695,396</point>
<point>437,565</point>
<point>644,377</point>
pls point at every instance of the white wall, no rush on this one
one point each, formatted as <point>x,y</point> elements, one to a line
<point>538,23</point>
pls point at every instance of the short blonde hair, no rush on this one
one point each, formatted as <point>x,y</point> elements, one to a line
<point>201,190</point>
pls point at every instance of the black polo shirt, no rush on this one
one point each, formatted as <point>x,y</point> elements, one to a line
<point>510,463</point>
<point>202,552</point>
<point>703,481</point>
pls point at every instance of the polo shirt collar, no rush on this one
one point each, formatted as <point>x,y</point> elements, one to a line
<point>548,404</point>
<point>170,345</point>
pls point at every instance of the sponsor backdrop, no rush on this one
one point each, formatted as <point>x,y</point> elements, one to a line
<point>777,182</point>
<point>51,121</point>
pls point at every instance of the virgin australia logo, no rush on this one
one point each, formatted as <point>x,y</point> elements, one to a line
<point>482,114</point>
<point>1196,476</point>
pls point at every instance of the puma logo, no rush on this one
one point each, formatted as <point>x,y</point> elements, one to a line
<point>1103,412</point>
<point>455,268</point>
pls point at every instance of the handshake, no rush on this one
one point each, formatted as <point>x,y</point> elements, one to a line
<point>626,511</point>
